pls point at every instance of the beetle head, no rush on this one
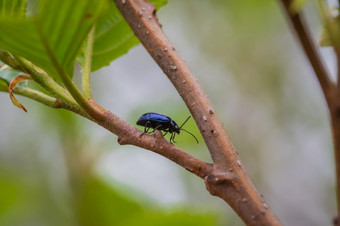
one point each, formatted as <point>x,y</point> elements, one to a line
<point>174,127</point>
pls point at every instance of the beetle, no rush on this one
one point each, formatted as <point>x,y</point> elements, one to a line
<point>161,122</point>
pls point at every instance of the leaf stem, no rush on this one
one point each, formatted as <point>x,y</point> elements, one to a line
<point>37,96</point>
<point>86,75</point>
<point>48,100</point>
<point>63,97</point>
<point>45,81</point>
<point>92,109</point>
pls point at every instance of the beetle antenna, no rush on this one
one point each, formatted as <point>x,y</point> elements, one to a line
<point>190,134</point>
<point>184,122</point>
<point>187,130</point>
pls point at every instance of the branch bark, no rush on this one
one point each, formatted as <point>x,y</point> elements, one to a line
<point>127,134</point>
<point>227,179</point>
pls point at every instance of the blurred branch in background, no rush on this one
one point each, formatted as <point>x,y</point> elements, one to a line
<point>330,90</point>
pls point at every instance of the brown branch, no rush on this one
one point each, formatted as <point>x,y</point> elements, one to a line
<point>127,134</point>
<point>334,109</point>
<point>330,90</point>
<point>228,180</point>
<point>335,122</point>
<point>337,55</point>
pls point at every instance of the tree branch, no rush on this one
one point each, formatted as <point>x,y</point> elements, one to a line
<point>127,134</point>
<point>310,49</point>
<point>228,179</point>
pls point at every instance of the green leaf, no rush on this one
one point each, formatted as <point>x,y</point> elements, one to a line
<point>100,204</point>
<point>297,5</point>
<point>330,33</point>
<point>9,194</point>
<point>3,85</point>
<point>179,218</point>
<point>114,36</point>
<point>61,24</point>
<point>159,3</point>
<point>12,8</point>
<point>66,24</point>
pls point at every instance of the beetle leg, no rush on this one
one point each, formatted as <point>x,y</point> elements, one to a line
<point>157,127</point>
<point>141,134</point>
<point>146,128</point>
<point>172,138</point>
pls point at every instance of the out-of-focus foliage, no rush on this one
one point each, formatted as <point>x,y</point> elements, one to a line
<point>332,29</point>
<point>330,32</point>
<point>113,36</point>
<point>13,8</point>
<point>3,85</point>
<point>62,28</point>
<point>95,202</point>
<point>55,33</point>
<point>101,205</point>
<point>56,24</point>
<point>79,195</point>
<point>297,5</point>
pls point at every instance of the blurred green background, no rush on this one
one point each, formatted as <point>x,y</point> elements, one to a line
<point>57,168</point>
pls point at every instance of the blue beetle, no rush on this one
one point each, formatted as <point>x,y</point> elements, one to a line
<point>161,122</point>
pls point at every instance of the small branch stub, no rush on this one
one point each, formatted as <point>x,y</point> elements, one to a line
<point>219,178</point>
